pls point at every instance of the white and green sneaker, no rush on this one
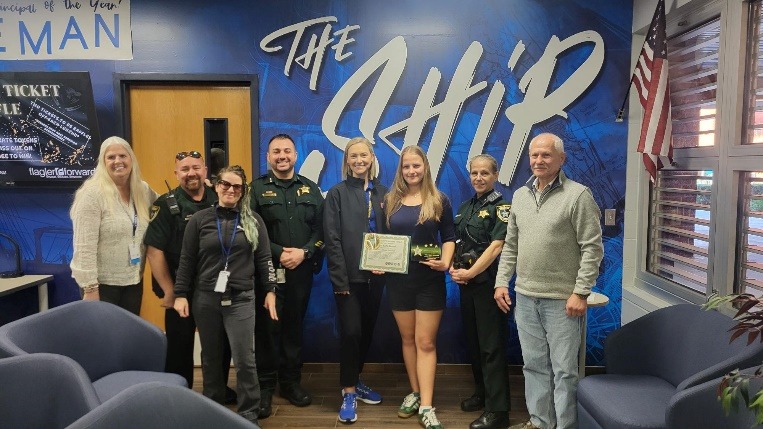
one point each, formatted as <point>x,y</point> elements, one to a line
<point>410,405</point>
<point>428,419</point>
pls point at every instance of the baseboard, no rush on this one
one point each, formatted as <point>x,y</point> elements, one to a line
<point>443,368</point>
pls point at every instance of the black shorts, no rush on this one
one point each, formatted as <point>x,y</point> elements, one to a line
<point>421,289</point>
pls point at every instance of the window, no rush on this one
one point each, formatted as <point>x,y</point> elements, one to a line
<point>679,235</point>
<point>705,219</point>
<point>753,118</point>
<point>693,60</point>
<point>750,251</point>
<point>681,209</point>
<point>749,243</point>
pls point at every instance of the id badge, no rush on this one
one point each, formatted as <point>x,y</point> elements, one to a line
<point>222,281</point>
<point>280,275</point>
<point>134,250</point>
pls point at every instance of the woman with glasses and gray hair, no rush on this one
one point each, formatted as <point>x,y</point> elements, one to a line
<point>109,218</point>
<point>224,247</point>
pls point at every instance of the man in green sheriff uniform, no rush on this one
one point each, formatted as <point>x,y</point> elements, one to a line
<point>481,228</point>
<point>291,206</point>
<point>164,237</point>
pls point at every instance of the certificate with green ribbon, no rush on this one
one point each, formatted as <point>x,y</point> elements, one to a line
<point>385,252</point>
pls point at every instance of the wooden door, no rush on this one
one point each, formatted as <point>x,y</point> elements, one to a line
<point>167,118</point>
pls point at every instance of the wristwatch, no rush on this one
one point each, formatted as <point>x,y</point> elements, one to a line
<point>580,295</point>
<point>307,252</point>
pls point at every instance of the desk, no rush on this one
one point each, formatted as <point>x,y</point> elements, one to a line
<point>8,286</point>
<point>595,299</point>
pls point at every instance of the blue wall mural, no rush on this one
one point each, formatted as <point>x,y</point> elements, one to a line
<point>451,77</point>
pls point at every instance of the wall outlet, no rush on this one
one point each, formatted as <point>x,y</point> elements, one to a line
<point>609,217</point>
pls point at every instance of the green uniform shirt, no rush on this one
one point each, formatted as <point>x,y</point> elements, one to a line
<point>479,222</point>
<point>165,231</point>
<point>292,210</point>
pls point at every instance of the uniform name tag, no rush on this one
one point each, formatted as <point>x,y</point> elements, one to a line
<point>222,281</point>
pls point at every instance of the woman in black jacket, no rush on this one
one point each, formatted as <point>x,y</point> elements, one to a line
<point>223,248</point>
<point>353,207</point>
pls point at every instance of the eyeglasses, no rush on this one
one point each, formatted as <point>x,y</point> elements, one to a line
<point>184,155</point>
<point>227,185</point>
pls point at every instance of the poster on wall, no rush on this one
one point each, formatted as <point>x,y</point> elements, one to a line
<point>48,128</point>
<point>51,30</point>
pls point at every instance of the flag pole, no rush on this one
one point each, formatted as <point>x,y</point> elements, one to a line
<point>621,112</point>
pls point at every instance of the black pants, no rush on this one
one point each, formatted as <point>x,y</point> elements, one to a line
<point>181,336</point>
<point>357,314</point>
<point>127,297</point>
<point>486,332</point>
<point>237,320</point>
<point>279,344</point>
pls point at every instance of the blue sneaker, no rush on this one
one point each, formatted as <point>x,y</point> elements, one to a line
<point>366,394</point>
<point>347,412</point>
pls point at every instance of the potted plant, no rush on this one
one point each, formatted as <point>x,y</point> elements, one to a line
<point>735,386</point>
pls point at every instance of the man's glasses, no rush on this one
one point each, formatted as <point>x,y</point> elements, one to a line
<point>227,185</point>
<point>184,155</point>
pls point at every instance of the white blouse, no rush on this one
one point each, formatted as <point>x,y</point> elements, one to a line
<point>102,239</point>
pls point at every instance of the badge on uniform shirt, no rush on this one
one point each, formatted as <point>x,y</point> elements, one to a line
<point>483,214</point>
<point>269,194</point>
<point>303,190</point>
<point>503,212</point>
<point>154,211</point>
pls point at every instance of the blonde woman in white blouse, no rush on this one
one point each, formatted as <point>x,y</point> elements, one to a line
<point>110,216</point>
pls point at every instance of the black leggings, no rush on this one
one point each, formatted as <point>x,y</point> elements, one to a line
<point>357,318</point>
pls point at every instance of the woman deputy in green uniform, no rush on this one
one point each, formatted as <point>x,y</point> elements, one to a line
<point>480,230</point>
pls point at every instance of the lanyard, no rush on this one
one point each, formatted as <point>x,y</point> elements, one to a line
<point>134,220</point>
<point>227,251</point>
<point>134,217</point>
<point>371,211</point>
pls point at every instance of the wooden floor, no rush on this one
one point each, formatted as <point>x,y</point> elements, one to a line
<point>453,384</point>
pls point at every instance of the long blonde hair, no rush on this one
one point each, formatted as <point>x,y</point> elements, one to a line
<point>100,180</point>
<point>431,198</point>
<point>373,171</point>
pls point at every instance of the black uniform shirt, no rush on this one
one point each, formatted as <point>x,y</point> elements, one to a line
<point>292,210</point>
<point>165,230</point>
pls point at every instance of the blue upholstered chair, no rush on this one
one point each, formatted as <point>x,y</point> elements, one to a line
<point>116,348</point>
<point>160,406</point>
<point>43,391</point>
<point>698,407</point>
<point>663,364</point>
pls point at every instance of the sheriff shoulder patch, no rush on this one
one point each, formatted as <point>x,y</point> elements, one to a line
<point>154,211</point>
<point>503,212</point>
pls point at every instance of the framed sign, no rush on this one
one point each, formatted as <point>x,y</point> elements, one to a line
<point>48,128</point>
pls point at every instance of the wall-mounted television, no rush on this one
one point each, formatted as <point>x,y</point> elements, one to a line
<point>48,128</point>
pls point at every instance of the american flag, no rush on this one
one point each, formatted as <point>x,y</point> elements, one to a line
<point>651,80</point>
